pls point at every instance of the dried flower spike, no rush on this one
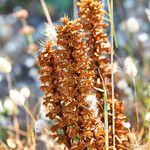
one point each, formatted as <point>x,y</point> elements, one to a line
<point>66,84</point>
<point>69,76</point>
<point>91,14</point>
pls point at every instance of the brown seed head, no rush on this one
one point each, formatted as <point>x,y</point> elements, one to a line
<point>21,14</point>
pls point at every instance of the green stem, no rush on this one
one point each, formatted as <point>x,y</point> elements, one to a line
<point>106,119</point>
<point>112,75</point>
<point>136,104</point>
<point>105,113</point>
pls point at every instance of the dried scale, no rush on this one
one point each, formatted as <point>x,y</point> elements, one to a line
<point>91,13</point>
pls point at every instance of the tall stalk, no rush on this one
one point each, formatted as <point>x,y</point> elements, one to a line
<point>112,75</point>
<point>149,139</point>
<point>45,9</point>
<point>15,119</point>
<point>105,112</point>
<point>136,103</point>
<point>75,9</point>
<point>106,119</point>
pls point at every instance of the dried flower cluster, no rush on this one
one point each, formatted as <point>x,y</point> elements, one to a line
<point>67,82</point>
<point>69,76</point>
<point>91,13</point>
<point>26,29</point>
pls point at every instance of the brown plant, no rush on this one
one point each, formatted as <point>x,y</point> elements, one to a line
<point>71,72</point>
<point>91,13</point>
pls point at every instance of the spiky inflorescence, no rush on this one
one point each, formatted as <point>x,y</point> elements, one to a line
<point>69,75</point>
<point>67,80</point>
<point>91,13</point>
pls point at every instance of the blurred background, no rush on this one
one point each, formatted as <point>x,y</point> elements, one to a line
<point>22,31</point>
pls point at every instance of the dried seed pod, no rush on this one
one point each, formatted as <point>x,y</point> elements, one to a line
<point>21,14</point>
<point>26,30</point>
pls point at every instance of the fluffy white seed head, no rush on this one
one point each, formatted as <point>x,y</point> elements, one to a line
<point>127,125</point>
<point>5,66</point>
<point>147,117</point>
<point>130,67</point>
<point>9,105</point>
<point>143,37</point>
<point>115,67</point>
<point>92,101</point>
<point>129,92</point>
<point>25,91</point>
<point>17,97</point>
<point>147,11</point>
<point>39,126</point>
<point>122,84</point>
<point>133,25</point>
<point>11,143</point>
<point>50,33</point>
<point>43,111</point>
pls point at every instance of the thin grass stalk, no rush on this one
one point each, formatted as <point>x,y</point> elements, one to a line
<point>107,19</point>
<point>107,13</point>
<point>149,139</point>
<point>136,104</point>
<point>28,111</point>
<point>112,74</point>
<point>47,15</point>
<point>27,125</point>
<point>30,39</point>
<point>106,119</point>
<point>30,127</point>
<point>29,36</point>
<point>16,122</point>
<point>3,145</point>
<point>32,135</point>
<point>105,113</point>
<point>15,119</point>
<point>108,4</point>
<point>21,132</point>
<point>9,81</point>
<point>75,9</point>
<point>115,38</point>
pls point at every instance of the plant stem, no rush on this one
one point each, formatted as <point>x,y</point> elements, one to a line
<point>75,9</point>
<point>108,4</point>
<point>16,122</point>
<point>29,36</point>
<point>105,113</point>
<point>15,119</point>
<point>31,135</point>
<point>136,104</point>
<point>106,119</point>
<point>112,75</point>
<point>9,81</point>
<point>28,111</point>
<point>49,20</point>
<point>149,139</point>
